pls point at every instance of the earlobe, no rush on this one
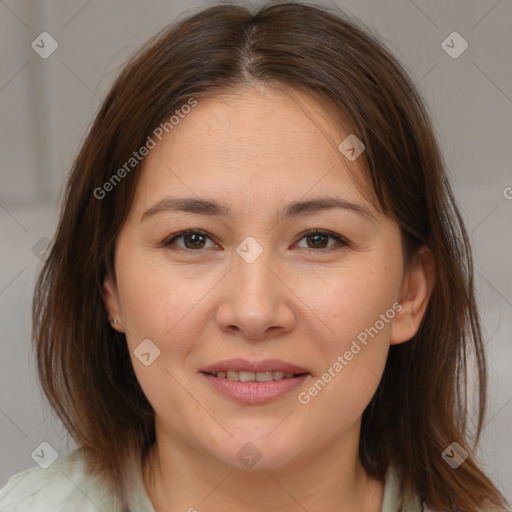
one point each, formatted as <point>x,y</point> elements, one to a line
<point>414,296</point>
<point>111,301</point>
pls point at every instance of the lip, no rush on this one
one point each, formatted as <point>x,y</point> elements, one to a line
<point>254,392</point>
<point>244,365</point>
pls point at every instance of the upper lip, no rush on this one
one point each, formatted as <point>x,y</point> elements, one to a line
<point>244,365</point>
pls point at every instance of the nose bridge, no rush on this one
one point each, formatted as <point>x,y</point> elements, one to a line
<point>255,300</point>
<point>252,273</point>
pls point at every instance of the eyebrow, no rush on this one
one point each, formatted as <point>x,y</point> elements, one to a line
<point>207,207</point>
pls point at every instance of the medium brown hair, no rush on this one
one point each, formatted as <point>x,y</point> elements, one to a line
<point>420,406</point>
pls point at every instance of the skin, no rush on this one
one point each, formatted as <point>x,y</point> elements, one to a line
<point>303,301</point>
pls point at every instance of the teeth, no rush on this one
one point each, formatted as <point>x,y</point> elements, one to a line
<point>247,376</point>
<point>244,376</point>
<point>264,376</point>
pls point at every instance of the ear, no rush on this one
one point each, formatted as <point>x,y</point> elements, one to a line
<point>111,300</point>
<point>415,293</point>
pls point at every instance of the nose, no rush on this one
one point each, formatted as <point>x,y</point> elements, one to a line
<point>256,301</point>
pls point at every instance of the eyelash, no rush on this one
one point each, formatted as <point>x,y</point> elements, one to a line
<point>341,242</point>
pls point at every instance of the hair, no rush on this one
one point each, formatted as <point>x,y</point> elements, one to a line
<point>421,404</point>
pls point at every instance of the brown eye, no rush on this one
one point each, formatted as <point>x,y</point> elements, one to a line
<point>320,240</point>
<point>192,240</point>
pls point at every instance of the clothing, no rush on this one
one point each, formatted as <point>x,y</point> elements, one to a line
<point>67,486</point>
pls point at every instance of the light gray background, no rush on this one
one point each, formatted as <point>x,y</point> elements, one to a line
<point>46,106</point>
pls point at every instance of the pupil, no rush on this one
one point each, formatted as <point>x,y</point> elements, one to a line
<point>318,239</point>
<point>195,238</point>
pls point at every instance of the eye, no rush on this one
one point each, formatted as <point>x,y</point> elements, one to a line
<point>192,240</point>
<point>318,239</point>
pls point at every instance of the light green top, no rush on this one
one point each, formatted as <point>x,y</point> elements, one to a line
<point>67,486</point>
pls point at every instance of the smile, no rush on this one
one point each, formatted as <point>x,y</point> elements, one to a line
<point>245,376</point>
<point>251,382</point>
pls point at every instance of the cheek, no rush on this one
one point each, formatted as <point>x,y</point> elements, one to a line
<point>159,301</point>
<point>351,372</point>
<point>356,300</point>
<point>359,308</point>
<point>168,311</point>
<point>343,400</point>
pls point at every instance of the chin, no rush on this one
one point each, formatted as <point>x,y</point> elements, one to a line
<point>245,452</point>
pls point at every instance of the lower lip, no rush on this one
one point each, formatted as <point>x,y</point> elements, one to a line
<point>255,392</point>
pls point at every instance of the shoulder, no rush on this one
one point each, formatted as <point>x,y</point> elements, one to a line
<point>396,499</point>
<point>65,485</point>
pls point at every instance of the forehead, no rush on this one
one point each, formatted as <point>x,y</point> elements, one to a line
<point>260,120</point>
<point>251,141</point>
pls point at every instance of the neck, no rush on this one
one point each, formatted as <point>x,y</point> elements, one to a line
<point>177,477</point>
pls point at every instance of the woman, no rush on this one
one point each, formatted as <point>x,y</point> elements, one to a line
<point>260,292</point>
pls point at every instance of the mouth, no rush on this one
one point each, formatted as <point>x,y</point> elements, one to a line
<point>245,376</point>
<point>254,382</point>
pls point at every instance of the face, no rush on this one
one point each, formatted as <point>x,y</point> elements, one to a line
<point>229,261</point>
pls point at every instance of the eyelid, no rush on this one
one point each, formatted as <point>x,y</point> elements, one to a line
<point>175,236</point>
<point>341,241</point>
